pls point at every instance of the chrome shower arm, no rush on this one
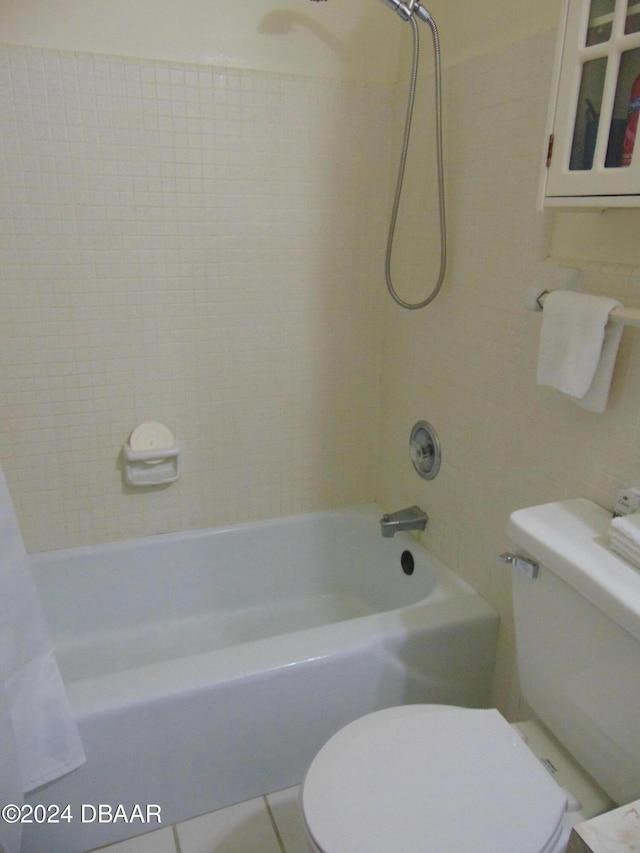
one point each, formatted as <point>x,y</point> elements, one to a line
<point>407,10</point>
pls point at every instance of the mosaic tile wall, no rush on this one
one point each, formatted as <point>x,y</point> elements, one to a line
<point>196,246</point>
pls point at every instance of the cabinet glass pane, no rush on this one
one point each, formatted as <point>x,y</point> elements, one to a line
<point>622,136</point>
<point>588,114</point>
<point>632,24</point>
<point>600,21</point>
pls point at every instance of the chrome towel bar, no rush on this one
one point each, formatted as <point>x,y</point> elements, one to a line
<point>535,298</point>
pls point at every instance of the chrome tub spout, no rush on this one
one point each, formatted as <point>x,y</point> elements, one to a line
<point>411,518</point>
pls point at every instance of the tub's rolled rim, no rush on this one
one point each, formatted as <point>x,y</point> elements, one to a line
<point>367,510</point>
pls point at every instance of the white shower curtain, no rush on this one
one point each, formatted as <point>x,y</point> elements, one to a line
<point>39,740</point>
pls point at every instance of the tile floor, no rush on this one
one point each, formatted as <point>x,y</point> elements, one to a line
<point>265,825</point>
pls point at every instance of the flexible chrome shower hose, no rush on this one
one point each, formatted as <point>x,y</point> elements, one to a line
<point>403,161</point>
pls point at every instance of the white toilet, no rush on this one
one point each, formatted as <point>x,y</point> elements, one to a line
<point>442,779</point>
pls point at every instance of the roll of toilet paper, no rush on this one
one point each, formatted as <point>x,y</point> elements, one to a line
<point>151,435</point>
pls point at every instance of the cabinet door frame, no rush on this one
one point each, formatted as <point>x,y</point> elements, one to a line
<point>599,186</point>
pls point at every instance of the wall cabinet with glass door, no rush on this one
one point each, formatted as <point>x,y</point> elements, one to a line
<point>592,156</point>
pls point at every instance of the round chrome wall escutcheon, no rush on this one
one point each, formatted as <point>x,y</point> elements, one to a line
<point>424,447</point>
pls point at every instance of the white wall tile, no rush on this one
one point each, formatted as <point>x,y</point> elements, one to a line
<point>198,246</point>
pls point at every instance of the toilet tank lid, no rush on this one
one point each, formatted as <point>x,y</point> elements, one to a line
<point>570,539</point>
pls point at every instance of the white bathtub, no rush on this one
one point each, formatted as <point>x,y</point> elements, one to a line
<point>208,667</point>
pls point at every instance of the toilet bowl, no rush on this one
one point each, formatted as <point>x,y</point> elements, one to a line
<point>431,779</point>
<point>443,779</point>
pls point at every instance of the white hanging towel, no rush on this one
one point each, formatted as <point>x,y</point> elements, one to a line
<point>10,781</point>
<point>578,347</point>
<point>36,722</point>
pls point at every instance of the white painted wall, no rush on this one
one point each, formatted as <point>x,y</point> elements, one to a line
<point>353,39</point>
<point>470,29</point>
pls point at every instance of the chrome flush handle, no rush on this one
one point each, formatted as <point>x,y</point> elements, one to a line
<point>529,567</point>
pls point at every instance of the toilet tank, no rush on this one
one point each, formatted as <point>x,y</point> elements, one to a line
<point>578,639</point>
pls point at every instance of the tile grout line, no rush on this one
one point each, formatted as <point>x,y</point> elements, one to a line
<point>274,825</point>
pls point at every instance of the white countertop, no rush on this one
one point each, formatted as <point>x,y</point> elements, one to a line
<point>617,831</point>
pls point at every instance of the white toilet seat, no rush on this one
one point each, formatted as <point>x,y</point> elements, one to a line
<point>431,779</point>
